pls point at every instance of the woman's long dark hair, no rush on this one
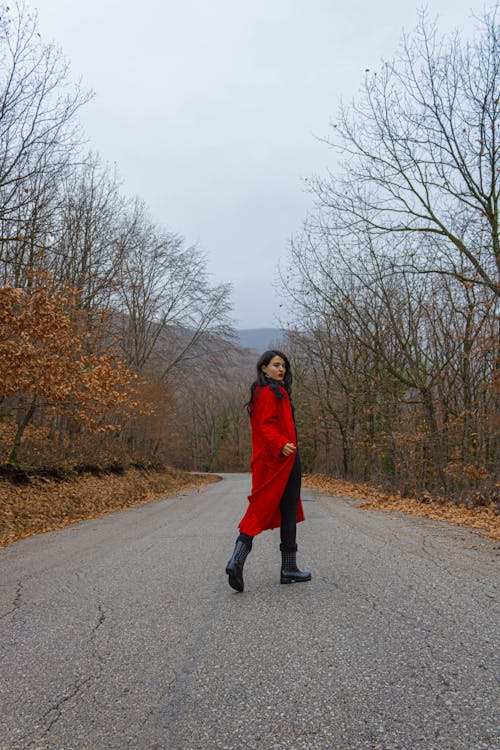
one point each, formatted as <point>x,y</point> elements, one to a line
<point>262,379</point>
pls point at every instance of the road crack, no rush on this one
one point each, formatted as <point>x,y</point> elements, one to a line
<point>16,603</point>
<point>56,708</point>
<point>53,714</point>
<point>100,619</point>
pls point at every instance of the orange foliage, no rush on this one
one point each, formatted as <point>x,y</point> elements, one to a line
<point>44,358</point>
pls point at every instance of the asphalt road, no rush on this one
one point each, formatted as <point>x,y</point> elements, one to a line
<point>122,633</point>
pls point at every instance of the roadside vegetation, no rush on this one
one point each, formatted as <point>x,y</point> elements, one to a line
<point>31,504</point>
<point>394,279</point>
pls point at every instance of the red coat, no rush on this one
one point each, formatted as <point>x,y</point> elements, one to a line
<point>272,427</point>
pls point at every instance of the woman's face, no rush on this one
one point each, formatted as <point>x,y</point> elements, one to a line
<point>276,368</point>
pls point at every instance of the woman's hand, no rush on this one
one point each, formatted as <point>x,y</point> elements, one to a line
<point>288,449</point>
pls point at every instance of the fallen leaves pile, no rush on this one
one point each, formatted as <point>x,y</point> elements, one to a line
<point>483,518</point>
<point>44,504</point>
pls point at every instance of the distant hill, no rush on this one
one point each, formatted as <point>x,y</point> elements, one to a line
<point>259,339</point>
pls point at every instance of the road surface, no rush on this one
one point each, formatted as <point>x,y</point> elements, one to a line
<point>122,633</point>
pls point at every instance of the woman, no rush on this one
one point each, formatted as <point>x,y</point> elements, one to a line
<point>276,473</point>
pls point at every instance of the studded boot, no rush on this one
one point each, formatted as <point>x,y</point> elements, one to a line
<point>234,568</point>
<point>289,570</point>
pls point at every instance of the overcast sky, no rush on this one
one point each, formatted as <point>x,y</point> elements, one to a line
<point>210,109</point>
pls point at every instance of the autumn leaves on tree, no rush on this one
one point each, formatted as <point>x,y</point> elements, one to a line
<point>47,364</point>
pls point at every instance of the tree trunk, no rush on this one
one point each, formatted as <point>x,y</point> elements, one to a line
<point>436,444</point>
<point>13,459</point>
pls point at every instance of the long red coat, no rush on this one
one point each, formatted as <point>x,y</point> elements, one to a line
<point>272,427</point>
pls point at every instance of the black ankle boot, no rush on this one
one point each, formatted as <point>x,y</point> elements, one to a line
<point>234,568</point>
<point>289,570</point>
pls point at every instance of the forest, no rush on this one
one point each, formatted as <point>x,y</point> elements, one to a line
<point>115,346</point>
<point>101,310</point>
<point>394,277</point>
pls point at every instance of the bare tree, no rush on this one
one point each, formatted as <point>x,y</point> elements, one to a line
<point>38,126</point>
<point>394,279</point>
<point>169,307</point>
<point>89,239</point>
<point>422,157</point>
<point>28,231</point>
<point>393,355</point>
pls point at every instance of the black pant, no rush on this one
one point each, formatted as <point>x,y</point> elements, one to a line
<point>288,505</point>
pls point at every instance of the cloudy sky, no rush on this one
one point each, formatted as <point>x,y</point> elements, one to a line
<point>211,110</point>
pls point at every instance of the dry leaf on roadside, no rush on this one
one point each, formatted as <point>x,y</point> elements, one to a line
<point>483,518</point>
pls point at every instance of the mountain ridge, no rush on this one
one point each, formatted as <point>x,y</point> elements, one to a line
<point>259,339</point>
